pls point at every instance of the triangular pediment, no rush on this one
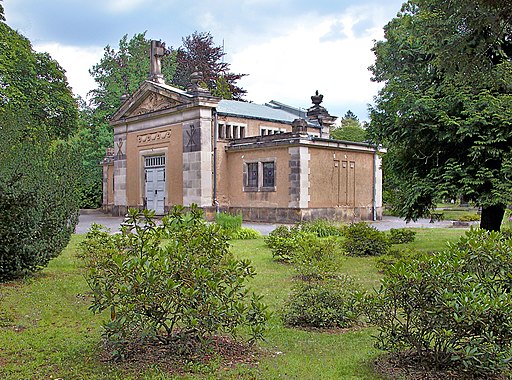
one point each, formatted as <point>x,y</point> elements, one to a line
<point>151,97</point>
<point>154,102</point>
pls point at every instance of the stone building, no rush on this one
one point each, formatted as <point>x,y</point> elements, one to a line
<point>271,162</point>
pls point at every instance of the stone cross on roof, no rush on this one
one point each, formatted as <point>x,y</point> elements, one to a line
<point>156,53</point>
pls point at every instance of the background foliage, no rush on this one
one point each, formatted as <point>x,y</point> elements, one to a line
<point>350,129</point>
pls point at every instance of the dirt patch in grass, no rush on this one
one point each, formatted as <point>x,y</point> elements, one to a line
<point>222,353</point>
<point>408,366</point>
<point>10,284</point>
<point>330,330</point>
<point>3,359</point>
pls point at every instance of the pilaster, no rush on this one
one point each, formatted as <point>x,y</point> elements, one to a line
<point>299,177</point>
<point>197,161</point>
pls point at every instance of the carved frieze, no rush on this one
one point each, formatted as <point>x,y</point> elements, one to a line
<point>154,137</point>
<point>154,102</point>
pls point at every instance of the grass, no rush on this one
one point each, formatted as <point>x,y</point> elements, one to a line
<point>462,215</point>
<point>434,239</point>
<point>47,331</point>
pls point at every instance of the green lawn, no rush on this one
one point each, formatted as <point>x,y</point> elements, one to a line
<point>434,239</point>
<point>47,331</point>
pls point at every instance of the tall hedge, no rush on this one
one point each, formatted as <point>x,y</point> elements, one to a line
<point>38,201</point>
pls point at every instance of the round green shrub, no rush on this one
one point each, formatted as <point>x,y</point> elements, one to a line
<point>362,239</point>
<point>321,227</point>
<point>332,304</point>
<point>176,282</point>
<point>245,233</point>
<point>282,242</point>
<point>316,258</point>
<point>401,235</point>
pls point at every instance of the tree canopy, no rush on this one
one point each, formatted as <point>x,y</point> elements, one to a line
<point>35,79</point>
<point>38,167</point>
<point>350,129</point>
<point>200,53</point>
<point>445,111</point>
<point>120,72</point>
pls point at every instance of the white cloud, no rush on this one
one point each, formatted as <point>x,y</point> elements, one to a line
<point>76,61</point>
<point>313,54</point>
<point>119,6</point>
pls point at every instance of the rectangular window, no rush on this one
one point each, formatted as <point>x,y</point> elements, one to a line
<point>268,174</point>
<point>252,174</point>
<point>260,176</point>
<point>221,131</point>
<point>235,131</point>
<point>154,161</point>
<point>228,131</point>
<point>242,132</point>
<point>265,131</point>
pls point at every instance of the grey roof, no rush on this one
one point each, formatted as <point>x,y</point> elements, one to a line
<point>255,111</point>
<point>300,112</point>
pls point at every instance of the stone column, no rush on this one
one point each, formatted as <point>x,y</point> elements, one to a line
<point>299,177</point>
<point>107,163</point>
<point>197,161</point>
<point>120,200</point>
<point>377,186</point>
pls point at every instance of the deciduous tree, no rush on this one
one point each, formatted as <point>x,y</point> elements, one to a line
<point>200,53</point>
<point>350,129</point>
<point>445,112</point>
<point>32,79</point>
<point>38,167</point>
<point>120,72</point>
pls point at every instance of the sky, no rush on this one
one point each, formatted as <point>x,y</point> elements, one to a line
<point>289,49</point>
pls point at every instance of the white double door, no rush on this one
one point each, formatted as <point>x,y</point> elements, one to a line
<point>155,189</point>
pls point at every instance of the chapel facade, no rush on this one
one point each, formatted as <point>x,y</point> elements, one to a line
<point>271,163</point>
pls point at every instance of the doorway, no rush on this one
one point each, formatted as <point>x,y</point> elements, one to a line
<point>154,183</point>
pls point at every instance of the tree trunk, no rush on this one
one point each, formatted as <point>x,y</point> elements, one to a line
<point>491,217</point>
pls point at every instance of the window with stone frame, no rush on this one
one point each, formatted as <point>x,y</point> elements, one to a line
<point>260,175</point>
<point>265,131</point>
<point>230,130</point>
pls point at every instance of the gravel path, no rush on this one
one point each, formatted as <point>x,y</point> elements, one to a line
<point>389,222</point>
<point>87,217</point>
